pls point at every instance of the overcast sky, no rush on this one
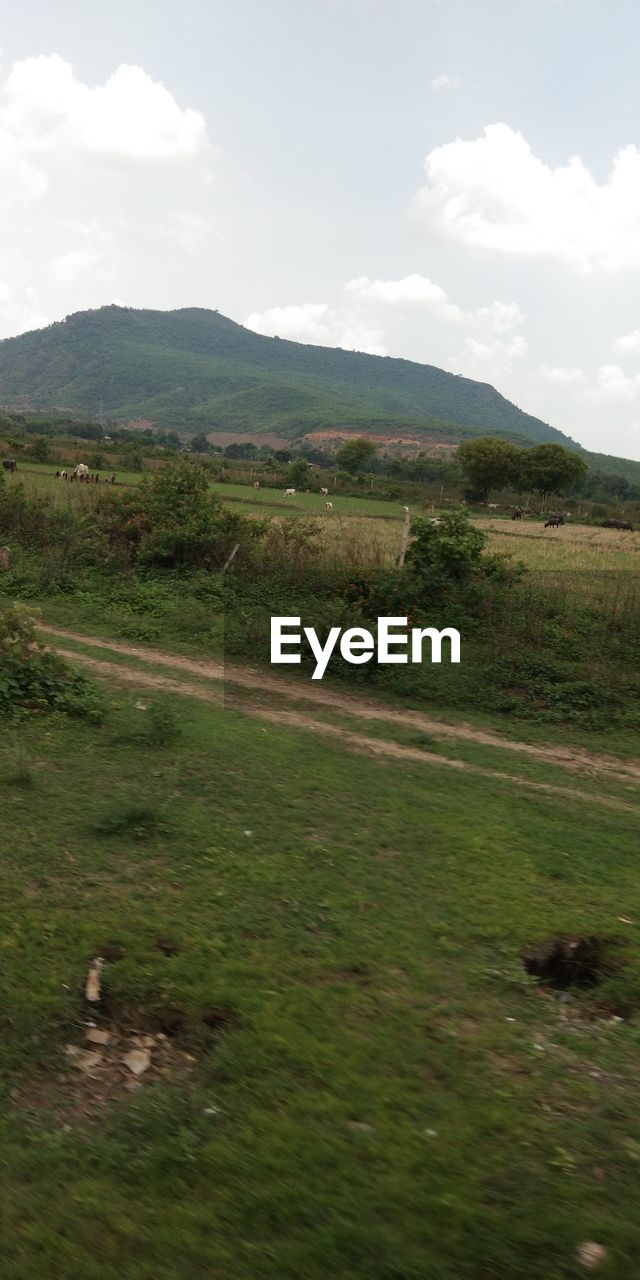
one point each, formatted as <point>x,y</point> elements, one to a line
<point>453,181</point>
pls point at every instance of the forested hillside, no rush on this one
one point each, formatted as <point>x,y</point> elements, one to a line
<point>195,369</point>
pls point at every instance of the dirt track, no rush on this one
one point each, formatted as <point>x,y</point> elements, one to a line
<point>248,678</point>
<point>572,759</point>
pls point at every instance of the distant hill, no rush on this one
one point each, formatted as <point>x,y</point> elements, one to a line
<point>196,370</point>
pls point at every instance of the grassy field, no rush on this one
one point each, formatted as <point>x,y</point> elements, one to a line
<point>374,1089</point>
<point>42,475</point>
<point>571,547</point>
<point>368,530</point>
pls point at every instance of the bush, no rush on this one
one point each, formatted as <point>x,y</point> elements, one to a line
<point>173,521</point>
<point>32,679</point>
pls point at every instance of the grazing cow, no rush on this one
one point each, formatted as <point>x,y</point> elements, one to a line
<point>617,524</point>
<point>554,522</point>
<point>329,506</point>
<point>517,514</point>
<point>289,493</point>
<point>493,506</point>
<point>406,510</point>
<point>256,484</point>
<point>9,464</point>
<point>325,493</point>
<point>434,520</point>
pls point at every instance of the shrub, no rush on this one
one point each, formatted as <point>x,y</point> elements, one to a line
<point>33,679</point>
<point>173,521</point>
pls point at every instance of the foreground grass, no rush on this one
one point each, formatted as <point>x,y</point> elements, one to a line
<point>394,1098</point>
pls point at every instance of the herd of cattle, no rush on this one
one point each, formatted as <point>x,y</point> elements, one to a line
<point>82,473</point>
<point>555,521</point>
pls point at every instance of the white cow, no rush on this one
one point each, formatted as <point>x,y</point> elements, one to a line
<point>324,492</point>
<point>329,506</point>
<point>81,471</point>
<point>256,484</point>
<point>289,493</point>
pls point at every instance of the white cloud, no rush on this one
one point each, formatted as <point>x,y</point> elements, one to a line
<point>189,230</point>
<point>130,118</point>
<point>411,290</point>
<point>494,194</point>
<point>563,377</point>
<point>444,82</point>
<point>319,324</point>
<point>613,382</point>
<point>629,342</point>
<point>73,265</point>
<point>419,291</point>
<point>88,194</point>
<point>489,360</point>
<point>490,343</point>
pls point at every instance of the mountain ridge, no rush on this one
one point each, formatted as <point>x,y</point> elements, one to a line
<point>194,369</point>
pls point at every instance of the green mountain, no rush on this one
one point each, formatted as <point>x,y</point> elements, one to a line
<point>196,370</point>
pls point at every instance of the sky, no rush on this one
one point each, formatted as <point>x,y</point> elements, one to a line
<point>448,181</point>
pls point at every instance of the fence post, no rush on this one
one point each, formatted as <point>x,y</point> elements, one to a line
<point>405,538</point>
<point>230,558</point>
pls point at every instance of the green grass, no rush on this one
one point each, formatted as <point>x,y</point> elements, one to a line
<point>42,475</point>
<point>364,922</point>
<point>272,501</point>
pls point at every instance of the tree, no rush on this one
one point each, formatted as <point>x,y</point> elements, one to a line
<point>354,454</point>
<point>240,449</point>
<point>199,443</point>
<point>550,468</point>
<point>488,463</point>
<point>40,450</point>
<point>298,472</point>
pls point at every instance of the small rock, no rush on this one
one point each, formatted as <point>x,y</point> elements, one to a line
<point>86,1060</point>
<point>95,1035</point>
<point>144,1042</point>
<point>591,1255</point>
<point>138,1061</point>
<point>92,988</point>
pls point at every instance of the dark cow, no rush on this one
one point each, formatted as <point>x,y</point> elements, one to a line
<point>9,464</point>
<point>517,514</point>
<point>554,522</point>
<point>618,524</point>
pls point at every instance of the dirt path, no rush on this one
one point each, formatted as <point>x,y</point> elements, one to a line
<point>572,759</point>
<point>356,742</point>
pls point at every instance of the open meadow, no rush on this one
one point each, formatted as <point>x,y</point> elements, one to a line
<point>366,954</point>
<point>369,531</point>
<point>315,942</point>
